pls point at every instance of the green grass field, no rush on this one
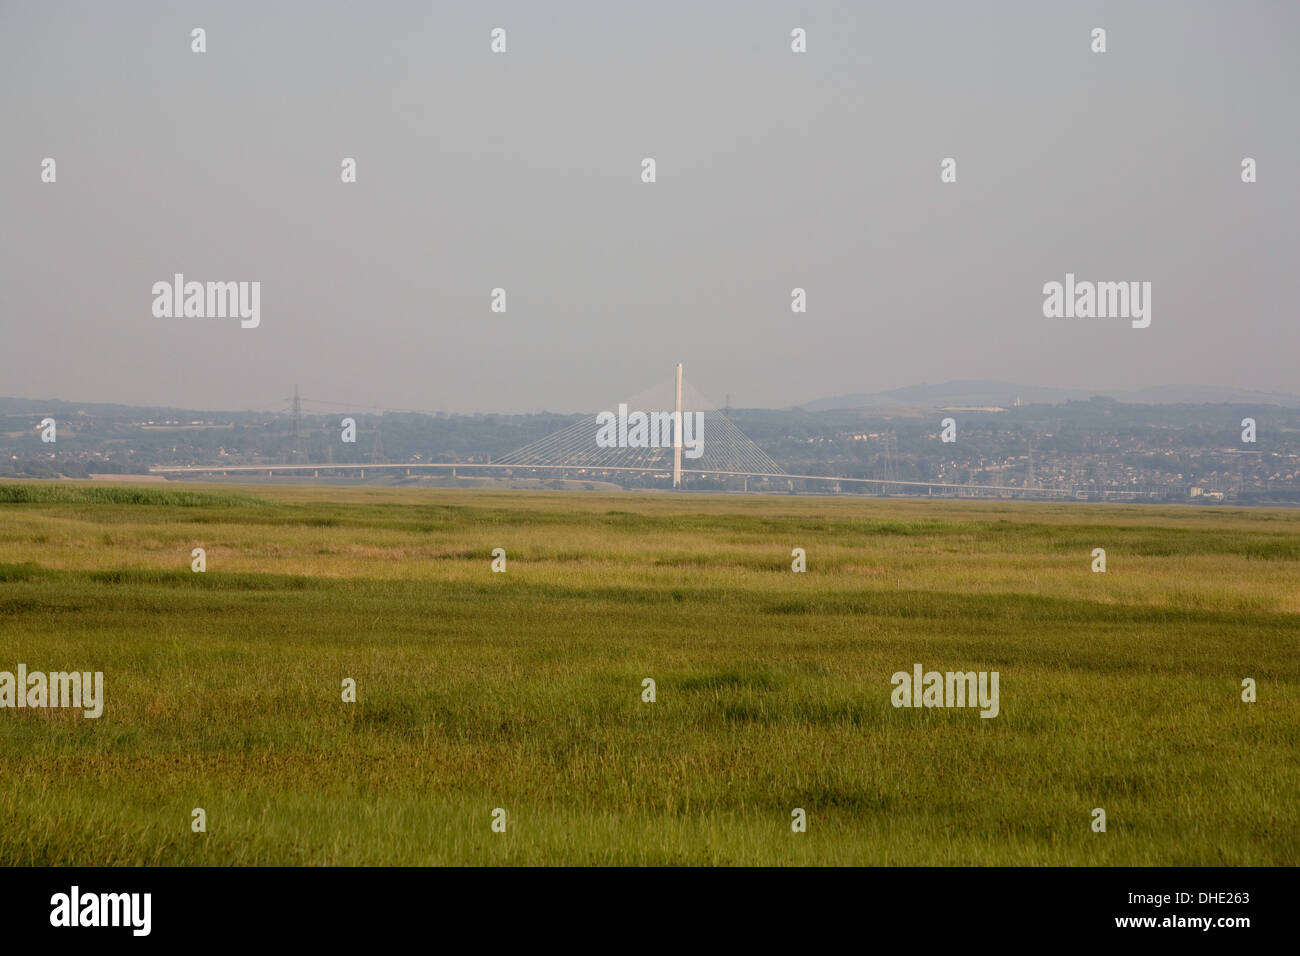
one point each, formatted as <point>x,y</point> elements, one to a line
<point>522,690</point>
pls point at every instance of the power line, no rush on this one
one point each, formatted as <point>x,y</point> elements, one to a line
<point>375,408</point>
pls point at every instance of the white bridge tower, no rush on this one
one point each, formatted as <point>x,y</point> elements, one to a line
<point>677,432</point>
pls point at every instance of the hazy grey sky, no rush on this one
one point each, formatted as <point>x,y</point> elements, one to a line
<point>522,171</point>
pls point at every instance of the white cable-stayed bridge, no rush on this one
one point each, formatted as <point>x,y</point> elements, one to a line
<point>641,438</point>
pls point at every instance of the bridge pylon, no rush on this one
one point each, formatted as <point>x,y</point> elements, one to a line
<point>677,432</point>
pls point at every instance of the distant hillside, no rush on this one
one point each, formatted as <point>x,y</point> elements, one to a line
<point>1004,394</point>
